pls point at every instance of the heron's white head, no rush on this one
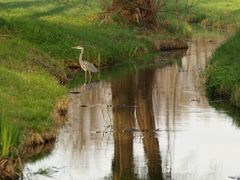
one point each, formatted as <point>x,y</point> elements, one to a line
<point>78,47</point>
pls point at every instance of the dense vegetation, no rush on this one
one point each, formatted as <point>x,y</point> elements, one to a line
<point>222,75</point>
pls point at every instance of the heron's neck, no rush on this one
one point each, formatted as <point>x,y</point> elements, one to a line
<point>80,57</point>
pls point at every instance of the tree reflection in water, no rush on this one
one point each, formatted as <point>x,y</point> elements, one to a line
<point>135,91</point>
<point>123,120</point>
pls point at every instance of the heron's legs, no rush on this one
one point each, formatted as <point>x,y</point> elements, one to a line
<point>85,76</point>
<point>90,76</point>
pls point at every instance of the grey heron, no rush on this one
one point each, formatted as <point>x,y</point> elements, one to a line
<point>85,65</point>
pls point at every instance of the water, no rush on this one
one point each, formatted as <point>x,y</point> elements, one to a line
<point>152,123</point>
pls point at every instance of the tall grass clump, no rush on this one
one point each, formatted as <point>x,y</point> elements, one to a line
<point>222,74</point>
<point>174,22</point>
<point>9,137</point>
<point>177,27</point>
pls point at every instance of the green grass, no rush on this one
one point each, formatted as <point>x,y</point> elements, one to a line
<point>28,90</point>
<point>222,75</point>
<point>9,137</point>
<point>217,13</point>
<point>29,98</point>
<point>58,40</point>
<point>55,27</point>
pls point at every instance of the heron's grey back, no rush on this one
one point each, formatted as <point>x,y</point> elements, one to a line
<point>90,67</point>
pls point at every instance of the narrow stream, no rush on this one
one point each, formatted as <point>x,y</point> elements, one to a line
<point>152,123</point>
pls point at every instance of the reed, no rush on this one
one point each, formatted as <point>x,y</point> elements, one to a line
<point>9,137</point>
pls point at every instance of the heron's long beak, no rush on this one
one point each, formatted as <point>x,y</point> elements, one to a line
<point>75,47</point>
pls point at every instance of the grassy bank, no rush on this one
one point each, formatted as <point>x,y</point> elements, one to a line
<point>28,96</point>
<point>215,13</point>
<point>35,50</point>
<point>54,27</point>
<point>222,75</point>
<point>28,91</point>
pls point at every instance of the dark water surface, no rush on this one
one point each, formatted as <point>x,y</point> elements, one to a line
<point>148,124</point>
